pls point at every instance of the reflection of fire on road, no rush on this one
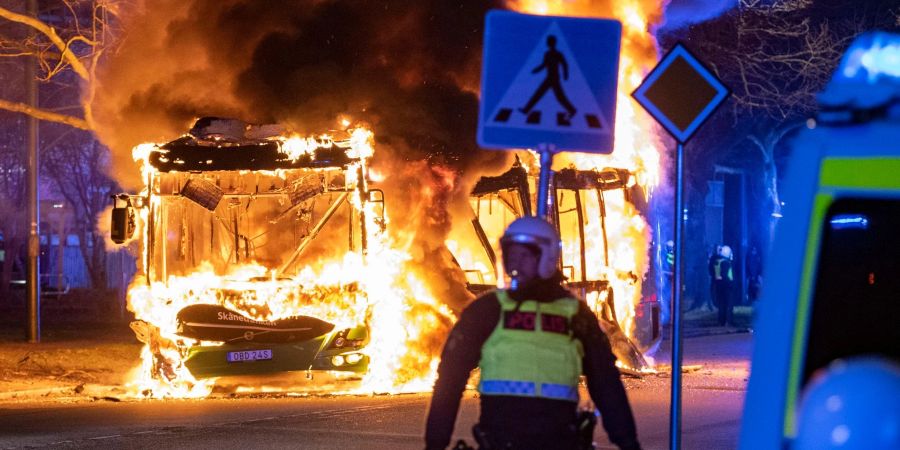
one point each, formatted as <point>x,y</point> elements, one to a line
<point>285,237</point>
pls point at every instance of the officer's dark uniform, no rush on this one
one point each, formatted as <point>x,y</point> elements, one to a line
<point>530,360</point>
<point>722,279</point>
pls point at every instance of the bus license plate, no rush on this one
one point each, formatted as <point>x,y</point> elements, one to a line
<point>249,355</point>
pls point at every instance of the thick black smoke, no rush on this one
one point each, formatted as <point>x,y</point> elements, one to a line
<point>408,69</point>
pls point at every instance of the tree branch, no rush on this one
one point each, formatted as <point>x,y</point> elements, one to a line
<point>44,114</point>
<point>762,148</point>
<point>66,53</point>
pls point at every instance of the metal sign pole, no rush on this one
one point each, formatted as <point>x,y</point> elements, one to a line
<point>681,123</point>
<point>547,151</point>
<point>675,405</point>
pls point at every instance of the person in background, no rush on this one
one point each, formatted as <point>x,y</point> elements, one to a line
<point>532,342</point>
<point>704,302</point>
<point>722,278</point>
<point>754,274</point>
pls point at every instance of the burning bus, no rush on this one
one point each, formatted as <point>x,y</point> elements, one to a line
<point>234,227</point>
<point>267,253</point>
<point>582,203</point>
<point>241,250</point>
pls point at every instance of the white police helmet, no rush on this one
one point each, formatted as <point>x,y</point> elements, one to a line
<point>725,252</point>
<point>539,234</point>
<point>851,405</point>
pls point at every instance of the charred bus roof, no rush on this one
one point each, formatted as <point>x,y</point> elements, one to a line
<point>189,155</point>
<point>215,144</point>
<point>569,178</point>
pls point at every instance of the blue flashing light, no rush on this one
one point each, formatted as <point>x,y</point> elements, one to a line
<point>871,57</point>
<point>849,221</point>
<point>868,76</point>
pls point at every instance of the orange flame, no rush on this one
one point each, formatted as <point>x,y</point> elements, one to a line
<point>637,147</point>
<point>379,287</point>
<point>375,288</point>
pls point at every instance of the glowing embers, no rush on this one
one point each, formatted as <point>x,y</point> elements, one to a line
<point>296,147</point>
<point>215,144</point>
<point>186,154</point>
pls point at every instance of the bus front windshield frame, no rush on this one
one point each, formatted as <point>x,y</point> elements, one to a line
<point>260,219</point>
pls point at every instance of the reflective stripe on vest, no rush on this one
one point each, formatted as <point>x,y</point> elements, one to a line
<point>529,389</point>
<point>532,351</point>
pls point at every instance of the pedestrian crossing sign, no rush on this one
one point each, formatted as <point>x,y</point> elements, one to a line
<point>549,81</point>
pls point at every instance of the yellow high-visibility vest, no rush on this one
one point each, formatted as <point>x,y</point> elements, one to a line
<point>532,351</point>
<point>729,276</point>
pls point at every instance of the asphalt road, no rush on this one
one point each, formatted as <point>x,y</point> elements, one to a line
<point>713,397</point>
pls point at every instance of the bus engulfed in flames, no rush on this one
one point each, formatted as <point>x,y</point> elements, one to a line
<point>267,254</point>
<point>264,252</point>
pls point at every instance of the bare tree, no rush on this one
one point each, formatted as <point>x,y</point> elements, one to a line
<point>67,39</point>
<point>12,203</point>
<point>782,57</point>
<point>76,162</point>
<point>776,56</point>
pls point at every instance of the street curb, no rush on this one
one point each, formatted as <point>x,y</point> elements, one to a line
<point>90,392</point>
<point>715,331</point>
<point>708,331</point>
<point>31,393</point>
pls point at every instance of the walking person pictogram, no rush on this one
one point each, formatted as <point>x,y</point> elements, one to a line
<point>553,63</point>
<point>536,55</point>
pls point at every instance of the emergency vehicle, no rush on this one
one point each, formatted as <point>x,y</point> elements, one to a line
<point>833,274</point>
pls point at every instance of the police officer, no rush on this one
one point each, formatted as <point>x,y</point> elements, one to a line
<point>532,342</point>
<point>723,277</point>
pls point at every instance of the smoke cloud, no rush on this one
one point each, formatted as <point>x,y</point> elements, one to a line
<point>410,70</point>
<point>680,13</point>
